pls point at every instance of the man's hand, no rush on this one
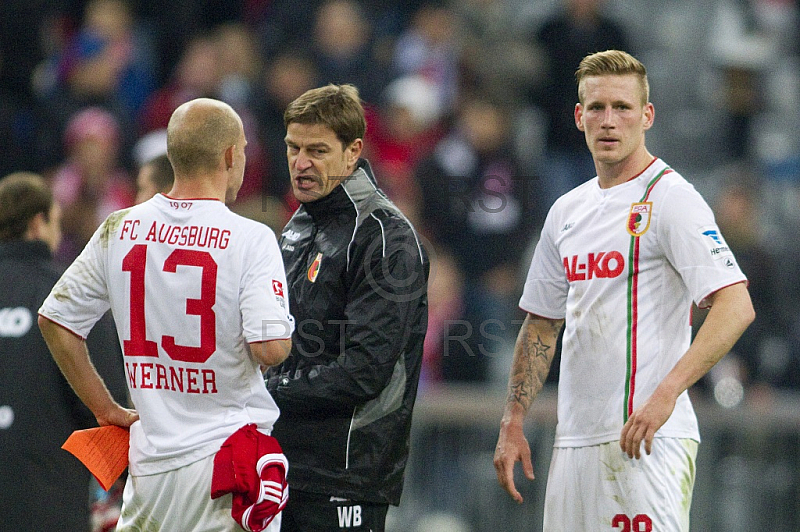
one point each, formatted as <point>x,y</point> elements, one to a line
<point>119,416</point>
<point>644,422</point>
<point>512,447</point>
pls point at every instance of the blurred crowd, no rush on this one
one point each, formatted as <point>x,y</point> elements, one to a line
<point>470,129</point>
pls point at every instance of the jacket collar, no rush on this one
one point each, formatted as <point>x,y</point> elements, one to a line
<point>358,185</point>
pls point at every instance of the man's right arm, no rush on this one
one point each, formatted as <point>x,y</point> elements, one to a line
<point>533,355</point>
<point>70,353</point>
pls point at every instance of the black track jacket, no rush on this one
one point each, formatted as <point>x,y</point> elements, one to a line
<point>357,276</point>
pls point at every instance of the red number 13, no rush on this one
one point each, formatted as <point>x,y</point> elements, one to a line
<point>138,345</point>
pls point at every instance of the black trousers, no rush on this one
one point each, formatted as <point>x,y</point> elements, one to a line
<point>312,512</point>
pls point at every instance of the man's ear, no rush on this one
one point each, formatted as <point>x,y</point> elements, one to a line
<point>649,115</point>
<point>229,157</point>
<point>579,116</point>
<point>354,152</point>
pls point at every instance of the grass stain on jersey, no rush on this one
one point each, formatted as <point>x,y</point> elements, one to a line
<point>111,224</point>
<point>61,291</point>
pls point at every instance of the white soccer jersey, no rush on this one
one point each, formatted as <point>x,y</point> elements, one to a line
<point>190,284</point>
<point>622,266</point>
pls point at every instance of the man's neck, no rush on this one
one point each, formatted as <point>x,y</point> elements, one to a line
<point>611,175</point>
<point>197,188</point>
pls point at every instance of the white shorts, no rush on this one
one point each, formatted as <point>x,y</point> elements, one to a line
<point>178,501</point>
<point>599,488</point>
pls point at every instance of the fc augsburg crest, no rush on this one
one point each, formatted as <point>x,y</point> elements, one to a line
<point>313,270</point>
<point>639,218</point>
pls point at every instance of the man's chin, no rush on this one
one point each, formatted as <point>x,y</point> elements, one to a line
<point>306,196</point>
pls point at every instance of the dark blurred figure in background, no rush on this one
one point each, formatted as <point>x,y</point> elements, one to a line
<point>749,42</point>
<point>429,47</point>
<point>580,28</point>
<point>42,487</point>
<point>495,53</point>
<point>20,53</point>
<point>342,48</point>
<point>155,177</point>
<point>174,24</point>
<point>106,61</point>
<point>194,75</point>
<point>240,71</point>
<point>760,359</point>
<point>111,55</point>
<point>478,207</point>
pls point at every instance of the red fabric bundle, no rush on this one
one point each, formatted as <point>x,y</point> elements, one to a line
<point>251,466</point>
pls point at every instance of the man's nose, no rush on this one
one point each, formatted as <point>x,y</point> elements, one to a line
<point>302,161</point>
<point>608,117</point>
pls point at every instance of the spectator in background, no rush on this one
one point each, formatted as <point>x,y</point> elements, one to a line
<point>19,127</point>
<point>196,75</point>
<point>288,75</point>
<point>111,54</point>
<point>495,53</point>
<point>579,28</point>
<point>240,71</point>
<point>42,487</point>
<point>429,47</point>
<point>478,206</point>
<point>749,43</point>
<point>403,130</point>
<point>342,49</point>
<point>761,356</point>
<point>107,63</point>
<point>176,23</point>
<point>275,24</point>
<point>445,314</point>
<point>155,177</point>
<point>91,183</point>
<point>240,65</point>
<point>21,51</point>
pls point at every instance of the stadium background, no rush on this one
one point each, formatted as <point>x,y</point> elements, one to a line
<point>458,95</point>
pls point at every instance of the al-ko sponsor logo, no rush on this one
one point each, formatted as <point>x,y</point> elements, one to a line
<point>599,265</point>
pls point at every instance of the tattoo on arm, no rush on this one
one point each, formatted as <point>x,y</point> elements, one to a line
<point>533,355</point>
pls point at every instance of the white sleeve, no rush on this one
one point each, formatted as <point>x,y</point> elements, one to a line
<point>80,297</point>
<point>265,297</point>
<point>694,245</point>
<point>546,286</point>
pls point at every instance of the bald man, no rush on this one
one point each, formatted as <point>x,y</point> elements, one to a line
<point>197,293</point>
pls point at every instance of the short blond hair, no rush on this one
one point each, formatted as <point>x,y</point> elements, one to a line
<point>612,63</point>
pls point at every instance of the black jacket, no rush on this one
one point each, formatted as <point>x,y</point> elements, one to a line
<point>357,276</point>
<point>42,487</point>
